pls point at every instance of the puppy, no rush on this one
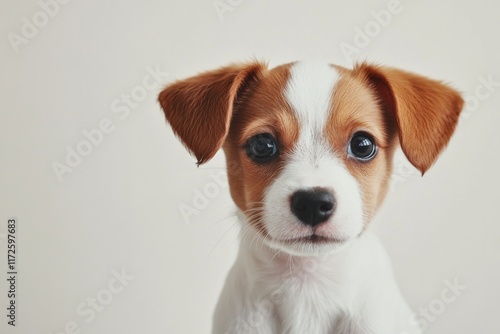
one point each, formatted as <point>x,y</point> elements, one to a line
<point>309,150</point>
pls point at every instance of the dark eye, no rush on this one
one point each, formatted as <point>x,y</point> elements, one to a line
<point>262,148</point>
<point>362,146</point>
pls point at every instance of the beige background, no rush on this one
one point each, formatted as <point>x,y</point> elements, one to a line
<point>119,208</point>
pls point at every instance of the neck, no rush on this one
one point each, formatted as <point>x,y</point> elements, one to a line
<point>263,263</point>
<point>324,293</point>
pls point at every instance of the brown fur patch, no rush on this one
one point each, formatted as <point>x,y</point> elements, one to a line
<point>199,108</point>
<point>425,111</point>
<point>264,110</point>
<point>390,104</point>
<point>355,108</point>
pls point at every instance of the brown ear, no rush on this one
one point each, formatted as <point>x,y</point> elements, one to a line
<point>199,109</point>
<point>424,111</point>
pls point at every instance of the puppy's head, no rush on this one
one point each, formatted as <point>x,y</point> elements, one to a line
<point>308,145</point>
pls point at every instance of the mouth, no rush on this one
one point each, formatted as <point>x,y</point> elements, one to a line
<point>309,245</point>
<point>313,239</point>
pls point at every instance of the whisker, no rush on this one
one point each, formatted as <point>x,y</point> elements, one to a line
<point>221,237</point>
<point>222,219</point>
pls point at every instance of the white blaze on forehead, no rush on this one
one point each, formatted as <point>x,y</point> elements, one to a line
<point>309,91</point>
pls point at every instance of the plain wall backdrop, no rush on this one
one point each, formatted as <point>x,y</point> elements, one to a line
<point>69,68</point>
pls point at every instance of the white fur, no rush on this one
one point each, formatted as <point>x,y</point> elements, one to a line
<point>309,91</point>
<point>312,164</point>
<point>278,287</point>
<point>351,291</point>
<point>302,173</point>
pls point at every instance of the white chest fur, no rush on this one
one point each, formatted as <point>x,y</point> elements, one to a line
<point>350,292</point>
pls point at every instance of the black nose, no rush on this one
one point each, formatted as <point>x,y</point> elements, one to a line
<point>313,207</point>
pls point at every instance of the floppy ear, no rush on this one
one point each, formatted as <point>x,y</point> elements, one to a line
<point>424,111</point>
<point>199,109</point>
